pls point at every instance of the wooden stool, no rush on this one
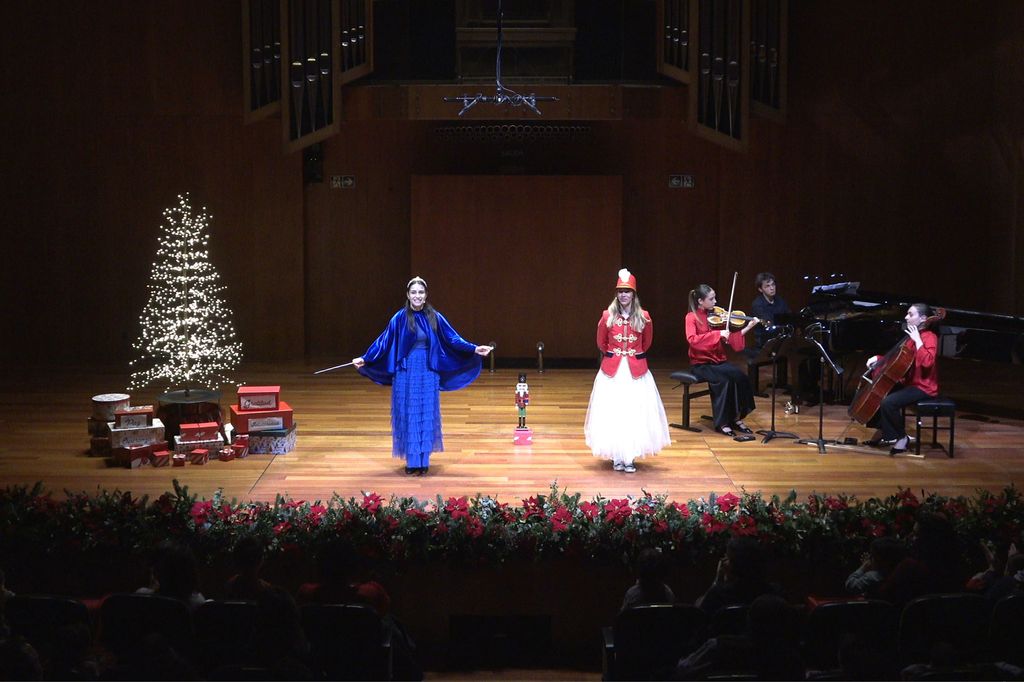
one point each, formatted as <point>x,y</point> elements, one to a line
<point>687,379</point>
<point>935,407</point>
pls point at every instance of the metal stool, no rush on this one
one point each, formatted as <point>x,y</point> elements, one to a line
<point>935,407</point>
<point>687,379</point>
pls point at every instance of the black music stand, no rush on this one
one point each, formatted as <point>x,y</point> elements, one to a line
<point>823,357</point>
<point>770,353</point>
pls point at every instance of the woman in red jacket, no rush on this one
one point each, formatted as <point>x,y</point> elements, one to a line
<point>626,418</point>
<point>922,381</point>
<point>732,397</point>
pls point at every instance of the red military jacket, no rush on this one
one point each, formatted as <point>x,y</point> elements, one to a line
<point>622,341</point>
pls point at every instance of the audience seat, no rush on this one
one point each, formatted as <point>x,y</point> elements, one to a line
<point>958,620</point>
<point>223,633</point>
<point>127,618</point>
<point>828,623</point>
<point>646,641</point>
<point>39,617</point>
<point>1006,630</point>
<point>348,642</point>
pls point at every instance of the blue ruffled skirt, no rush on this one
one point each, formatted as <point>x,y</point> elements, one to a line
<point>416,411</point>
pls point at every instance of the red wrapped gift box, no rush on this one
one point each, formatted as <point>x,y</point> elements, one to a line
<point>262,420</point>
<point>99,445</point>
<point>132,457</point>
<point>178,459</point>
<point>258,397</point>
<point>241,450</point>
<point>161,458</point>
<point>134,417</point>
<point>204,431</point>
<point>199,456</point>
<point>226,454</point>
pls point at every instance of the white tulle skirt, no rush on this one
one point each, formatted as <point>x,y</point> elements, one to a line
<point>626,418</point>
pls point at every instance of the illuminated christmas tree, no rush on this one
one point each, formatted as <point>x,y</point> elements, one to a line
<point>187,337</point>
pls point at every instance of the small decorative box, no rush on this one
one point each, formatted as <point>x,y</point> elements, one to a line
<point>262,420</point>
<point>523,437</point>
<point>188,446</point>
<point>258,397</point>
<point>142,435</point>
<point>132,457</point>
<point>134,417</point>
<point>199,456</point>
<point>226,454</point>
<point>161,458</point>
<point>277,442</point>
<point>241,450</point>
<point>106,404</point>
<point>178,459</point>
<point>204,431</point>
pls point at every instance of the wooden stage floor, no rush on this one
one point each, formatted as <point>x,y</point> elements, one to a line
<point>344,445</point>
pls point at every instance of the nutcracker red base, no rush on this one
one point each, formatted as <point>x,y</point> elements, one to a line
<point>523,437</point>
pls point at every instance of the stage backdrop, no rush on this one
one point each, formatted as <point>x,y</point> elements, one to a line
<point>520,259</point>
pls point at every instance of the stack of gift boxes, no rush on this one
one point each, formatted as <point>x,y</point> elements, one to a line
<point>130,436</point>
<point>263,421</point>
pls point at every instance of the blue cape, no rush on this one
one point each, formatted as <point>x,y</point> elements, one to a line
<point>448,354</point>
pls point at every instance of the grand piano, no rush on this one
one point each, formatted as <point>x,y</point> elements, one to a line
<point>853,323</point>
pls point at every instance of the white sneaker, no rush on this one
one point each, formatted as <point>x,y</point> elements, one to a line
<point>629,469</point>
<point>619,466</point>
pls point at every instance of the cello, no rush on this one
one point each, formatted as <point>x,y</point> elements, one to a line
<point>879,381</point>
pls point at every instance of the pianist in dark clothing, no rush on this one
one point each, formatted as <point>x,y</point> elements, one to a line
<point>767,306</point>
<point>921,381</point>
<point>732,396</point>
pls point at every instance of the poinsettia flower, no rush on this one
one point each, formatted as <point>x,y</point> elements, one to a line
<point>458,508</point>
<point>474,527</point>
<point>282,527</point>
<point>561,519</point>
<point>416,513</point>
<point>371,503</point>
<point>683,509</point>
<point>711,524</point>
<point>590,510</point>
<point>727,502</point>
<point>744,525</point>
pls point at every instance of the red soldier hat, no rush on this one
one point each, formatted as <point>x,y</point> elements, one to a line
<point>626,280</point>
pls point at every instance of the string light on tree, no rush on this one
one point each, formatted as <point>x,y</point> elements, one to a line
<point>187,338</point>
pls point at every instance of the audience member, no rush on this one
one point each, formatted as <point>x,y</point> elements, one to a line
<point>768,649</point>
<point>19,660</point>
<point>247,556</point>
<point>338,565</point>
<point>740,578</point>
<point>650,587</point>
<point>933,564</point>
<point>5,594</point>
<point>175,574</point>
<point>278,641</point>
<point>880,561</point>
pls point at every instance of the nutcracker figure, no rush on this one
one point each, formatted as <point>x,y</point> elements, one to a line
<point>522,399</point>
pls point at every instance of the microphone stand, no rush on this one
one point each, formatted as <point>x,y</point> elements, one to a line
<point>772,346</point>
<point>821,441</point>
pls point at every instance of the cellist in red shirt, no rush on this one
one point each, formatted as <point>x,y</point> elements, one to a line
<point>732,396</point>
<point>922,381</point>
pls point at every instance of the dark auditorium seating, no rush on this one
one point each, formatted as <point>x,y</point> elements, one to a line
<point>348,642</point>
<point>38,617</point>
<point>827,624</point>
<point>223,632</point>
<point>958,620</point>
<point>126,619</point>
<point>1006,630</point>
<point>646,641</point>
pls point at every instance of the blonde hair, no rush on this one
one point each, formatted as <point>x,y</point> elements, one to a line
<point>637,318</point>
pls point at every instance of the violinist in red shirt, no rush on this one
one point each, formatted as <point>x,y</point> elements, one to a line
<point>922,381</point>
<point>732,396</point>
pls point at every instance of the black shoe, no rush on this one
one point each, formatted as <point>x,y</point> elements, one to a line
<point>879,442</point>
<point>897,451</point>
<point>409,471</point>
<point>726,431</point>
<point>741,427</point>
<point>422,471</point>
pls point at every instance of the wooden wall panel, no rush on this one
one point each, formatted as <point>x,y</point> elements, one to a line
<point>520,259</point>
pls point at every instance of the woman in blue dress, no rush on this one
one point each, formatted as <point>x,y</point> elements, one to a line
<point>419,354</point>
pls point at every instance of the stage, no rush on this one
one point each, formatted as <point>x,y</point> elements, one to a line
<point>344,443</point>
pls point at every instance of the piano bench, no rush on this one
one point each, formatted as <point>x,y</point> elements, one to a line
<point>935,407</point>
<point>687,379</point>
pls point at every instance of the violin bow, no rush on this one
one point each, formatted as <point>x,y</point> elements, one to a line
<point>728,314</point>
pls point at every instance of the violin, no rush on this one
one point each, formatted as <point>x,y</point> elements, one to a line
<point>717,315</point>
<point>886,374</point>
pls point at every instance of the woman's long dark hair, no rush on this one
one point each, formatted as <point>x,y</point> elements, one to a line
<point>697,293</point>
<point>427,309</point>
